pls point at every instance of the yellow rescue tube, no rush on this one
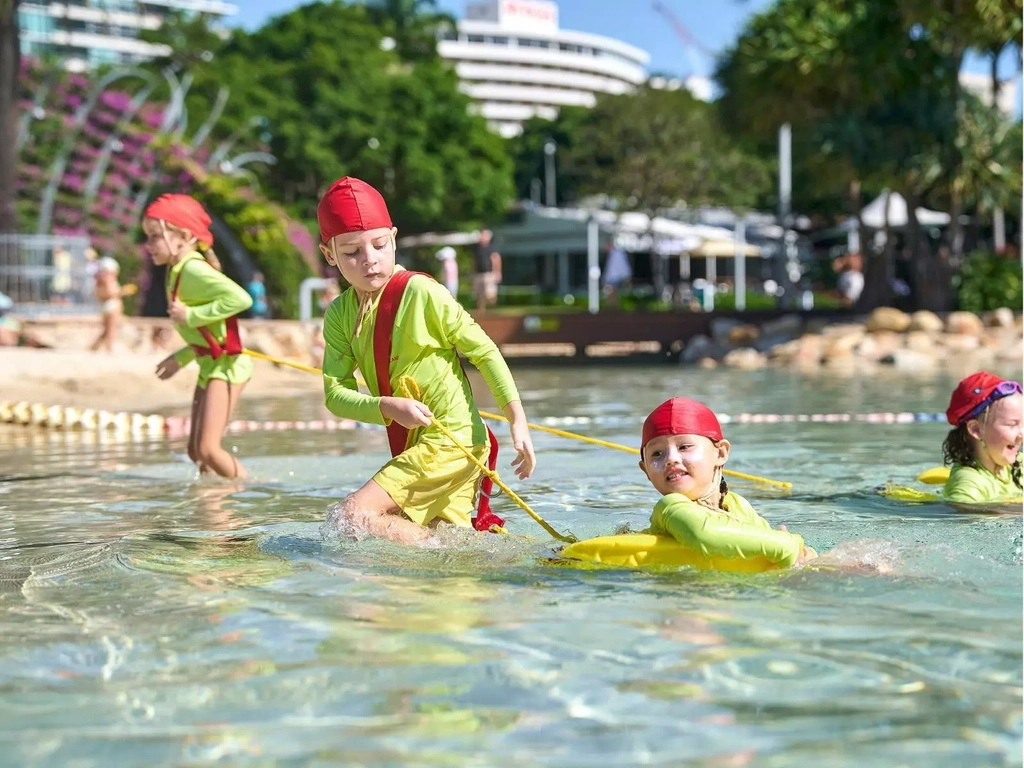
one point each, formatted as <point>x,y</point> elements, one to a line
<point>906,493</point>
<point>934,476</point>
<point>634,550</point>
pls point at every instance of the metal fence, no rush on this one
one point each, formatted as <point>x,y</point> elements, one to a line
<point>46,274</point>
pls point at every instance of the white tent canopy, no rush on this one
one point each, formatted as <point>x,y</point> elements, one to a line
<point>873,214</point>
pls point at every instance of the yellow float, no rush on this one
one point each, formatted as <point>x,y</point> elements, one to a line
<point>932,476</point>
<point>634,550</point>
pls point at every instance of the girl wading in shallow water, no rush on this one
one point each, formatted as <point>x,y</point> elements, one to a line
<point>204,305</point>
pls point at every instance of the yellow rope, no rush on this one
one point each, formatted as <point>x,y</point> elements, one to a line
<point>635,451</point>
<point>288,363</point>
<point>550,430</point>
<point>408,387</point>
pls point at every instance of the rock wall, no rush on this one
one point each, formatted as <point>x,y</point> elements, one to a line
<point>886,337</point>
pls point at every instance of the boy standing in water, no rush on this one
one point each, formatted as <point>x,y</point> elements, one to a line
<point>398,327</point>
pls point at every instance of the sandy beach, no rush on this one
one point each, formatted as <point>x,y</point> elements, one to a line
<point>125,381</point>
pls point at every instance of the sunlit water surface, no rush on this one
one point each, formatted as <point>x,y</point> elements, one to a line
<point>148,618</point>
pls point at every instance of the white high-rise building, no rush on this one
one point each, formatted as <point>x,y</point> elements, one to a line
<point>515,62</point>
<point>87,33</point>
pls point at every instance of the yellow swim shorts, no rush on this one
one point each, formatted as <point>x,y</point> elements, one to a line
<point>234,369</point>
<point>431,480</point>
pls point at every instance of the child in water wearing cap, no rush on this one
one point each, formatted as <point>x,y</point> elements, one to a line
<point>984,446</point>
<point>683,453</point>
<point>422,331</point>
<point>204,305</point>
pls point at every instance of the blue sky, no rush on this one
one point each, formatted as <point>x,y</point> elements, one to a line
<point>715,23</point>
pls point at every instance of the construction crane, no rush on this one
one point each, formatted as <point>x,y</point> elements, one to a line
<point>691,43</point>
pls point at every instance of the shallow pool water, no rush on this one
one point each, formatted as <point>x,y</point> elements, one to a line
<point>148,618</point>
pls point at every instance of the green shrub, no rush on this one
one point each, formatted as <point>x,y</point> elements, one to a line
<point>989,281</point>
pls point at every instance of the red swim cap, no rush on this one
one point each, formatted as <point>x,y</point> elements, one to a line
<point>976,393</point>
<point>681,416</point>
<point>185,212</point>
<point>351,205</point>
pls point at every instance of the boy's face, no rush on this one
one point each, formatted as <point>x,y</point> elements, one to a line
<point>683,463</point>
<point>1000,431</point>
<point>365,259</point>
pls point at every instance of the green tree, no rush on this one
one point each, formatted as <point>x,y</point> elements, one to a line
<point>656,149</point>
<point>874,88</point>
<point>527,152</point>
<point>193,42</point>
<point>647,150</point>
<point>988,174</point>
<point>415,25</point>
<point>332,106</point>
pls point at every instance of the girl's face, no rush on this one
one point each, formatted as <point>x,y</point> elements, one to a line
<point>999,432</point>
<point>683,464</point>
<point>164,243</point>
<point>365,259</point>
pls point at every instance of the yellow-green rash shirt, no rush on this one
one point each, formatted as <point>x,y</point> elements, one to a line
<point>430,329</point>
<point>211,297</point>
<point>976,485</point>
<point>734,532</point>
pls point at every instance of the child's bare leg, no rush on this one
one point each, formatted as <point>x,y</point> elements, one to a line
<point>198,400</point>
<point>372,510</point>
<point>102,338</point>
<point>110,329</point>
<point>218,404</point>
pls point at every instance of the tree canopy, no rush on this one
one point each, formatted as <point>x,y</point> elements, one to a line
<point>331,97</point>
<point>647,150</point>
<point>872,91</point>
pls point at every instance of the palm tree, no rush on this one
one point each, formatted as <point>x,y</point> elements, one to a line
<point>989,174</point>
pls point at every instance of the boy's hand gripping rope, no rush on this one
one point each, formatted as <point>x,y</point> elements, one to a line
<point>407,387</point>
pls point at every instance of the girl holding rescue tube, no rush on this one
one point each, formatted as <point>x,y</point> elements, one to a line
<point>404,333</point>
<point>984,446</point>
<point>204,305</point>
<point>682,453</point>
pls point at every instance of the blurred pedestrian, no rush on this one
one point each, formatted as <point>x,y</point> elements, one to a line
<point>449,269</point>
